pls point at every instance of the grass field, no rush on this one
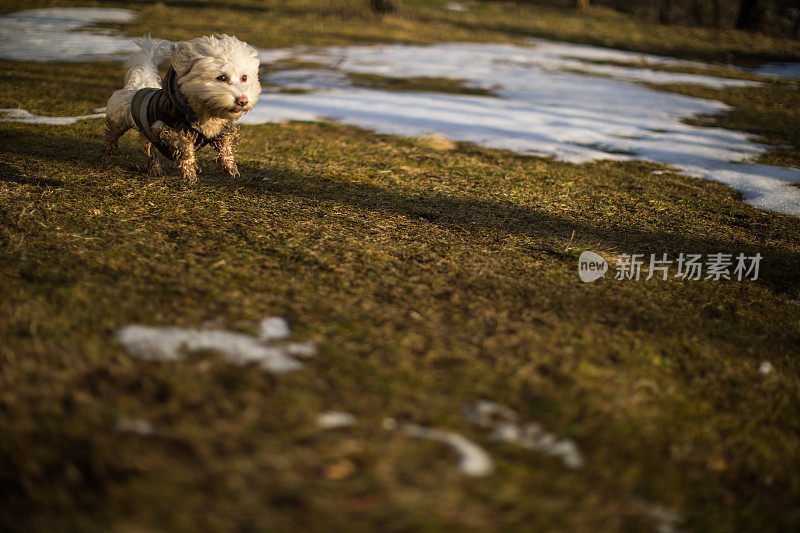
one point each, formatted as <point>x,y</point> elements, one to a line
<point>430,275</point>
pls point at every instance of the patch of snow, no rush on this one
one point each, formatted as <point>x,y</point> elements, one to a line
<point>272,55</point>
<point>139,426</point>
<point>169,343</point>
<point>557,56</point>
<point>273,327</point>
<point>456,6</point>
<point>309,79</point>
<point>483,65</point>
<point>503,421</point>
<point>473,460</point>
<point>539,109</point>
<point>784,70</point>
<point>303,350</point>
<point>532,437</point>
<point>335,420</point>
<point>26,117</point>
<point>63,34</point>
<point>766,368</point>
<point>665,519</point>
<point>487,414</point>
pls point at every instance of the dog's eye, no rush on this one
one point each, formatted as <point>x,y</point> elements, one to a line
<point>223,77</point>
<point>244,78</point>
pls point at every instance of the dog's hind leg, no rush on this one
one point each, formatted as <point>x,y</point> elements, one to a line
<point>226,151</point>
<point>113,133</point>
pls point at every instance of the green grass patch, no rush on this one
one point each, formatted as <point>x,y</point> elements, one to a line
<point>771,112</point>
<point>387,83</point>
<point>422,84</point>
<point>58,89</point>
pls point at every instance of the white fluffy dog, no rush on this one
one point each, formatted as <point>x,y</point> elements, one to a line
<point>211,83</point>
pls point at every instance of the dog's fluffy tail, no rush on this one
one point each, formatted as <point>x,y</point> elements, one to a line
<point>141,69</point>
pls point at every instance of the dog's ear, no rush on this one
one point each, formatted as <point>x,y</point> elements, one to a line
<point>184,56</point>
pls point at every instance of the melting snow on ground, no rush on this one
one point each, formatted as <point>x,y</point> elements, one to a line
<point>506,428</point>
<point>784,70</point>
<point>573,102</point>
<point>473,460</point>
<point>335,420</point>
<point>51,34</point>
<point>766,368</point>
<point>138,426</point>
<point>539,108</point>
<point>665,519</point>
<point>25,116</point>
<point>456,6</point>
<point>170,343</point>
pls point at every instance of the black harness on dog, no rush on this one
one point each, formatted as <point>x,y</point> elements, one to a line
<point>167,105</point>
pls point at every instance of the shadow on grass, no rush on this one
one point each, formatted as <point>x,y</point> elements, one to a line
<point>506,217</point>
<point>12,174</point>
<point>552,231</point>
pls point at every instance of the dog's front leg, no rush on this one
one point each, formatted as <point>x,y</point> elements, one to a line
<point>187,160</point>
<point>182,143</point>
<point>153,166</point>
<point>226,151</point>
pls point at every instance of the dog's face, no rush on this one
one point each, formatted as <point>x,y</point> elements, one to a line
<point>218,75</point>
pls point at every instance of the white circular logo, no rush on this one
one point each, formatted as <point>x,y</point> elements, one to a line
<point>591,266</point>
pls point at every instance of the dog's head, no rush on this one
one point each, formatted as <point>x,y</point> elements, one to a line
<point>218,75</point>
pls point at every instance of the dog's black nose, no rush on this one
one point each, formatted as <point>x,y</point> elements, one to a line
<point>242,101</point>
